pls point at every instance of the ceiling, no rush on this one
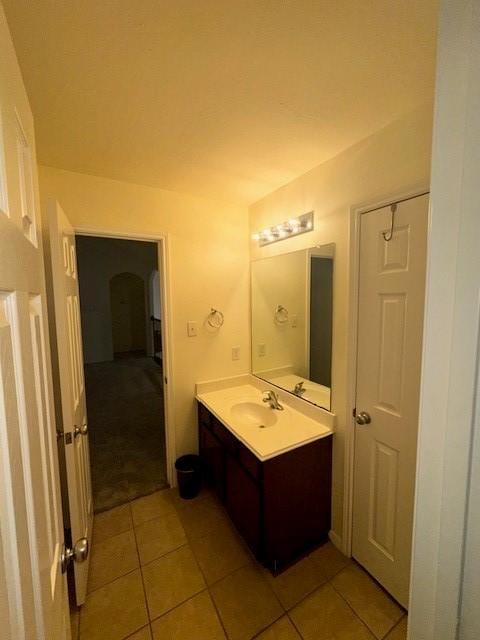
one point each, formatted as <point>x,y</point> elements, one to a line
<point>227,99</point>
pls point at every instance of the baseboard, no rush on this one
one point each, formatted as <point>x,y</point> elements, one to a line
<point>336,540</point>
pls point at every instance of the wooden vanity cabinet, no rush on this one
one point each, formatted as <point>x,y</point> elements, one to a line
<point>280,506</point>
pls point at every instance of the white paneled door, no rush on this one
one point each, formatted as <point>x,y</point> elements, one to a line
<point>33,590</point>
<point>68,342</point>
<point>391,303</point>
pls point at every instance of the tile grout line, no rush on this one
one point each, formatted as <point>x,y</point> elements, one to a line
<point>187,543</point>
<point>307,595</point>
<point>208,587</point>
<point>263,629</point>
<point>179,604</point>
<point>164,555</point>
<point>210,595</point>
<point>124,575</point>
<point>359,566</point>
<point>356,614</point>
<point>292,621</point>
<point>141,573</point>
<point>251,563</point>
<point>397,624</point>
<point>132,528</point>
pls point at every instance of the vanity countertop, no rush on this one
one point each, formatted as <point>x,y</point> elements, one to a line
<point>266,432</point>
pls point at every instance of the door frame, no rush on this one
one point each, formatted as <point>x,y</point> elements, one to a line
<point>164,264</point>
<point>356,212</point>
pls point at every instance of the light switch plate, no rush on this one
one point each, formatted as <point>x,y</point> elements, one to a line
<point>192,329</point>
<point>262,350</point>
<point>294,321</point>
<point>235,353</point>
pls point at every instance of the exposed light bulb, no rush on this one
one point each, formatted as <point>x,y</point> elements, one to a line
<point>287,229</point>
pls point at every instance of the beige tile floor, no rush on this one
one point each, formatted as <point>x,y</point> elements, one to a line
<point>167,569</point>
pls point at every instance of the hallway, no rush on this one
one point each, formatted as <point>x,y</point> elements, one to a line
<point>127,429</point>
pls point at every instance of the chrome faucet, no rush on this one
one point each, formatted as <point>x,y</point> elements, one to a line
<point>299,388</point>
<point>272,398</point>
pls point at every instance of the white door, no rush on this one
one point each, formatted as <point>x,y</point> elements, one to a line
<point>391,302</point>
<point>68,347</point>
<point>33,590</point>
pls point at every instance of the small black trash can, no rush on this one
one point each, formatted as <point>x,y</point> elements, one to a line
<point>189,476</point>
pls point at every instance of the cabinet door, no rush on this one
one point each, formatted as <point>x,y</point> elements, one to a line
<point>213,458</point>
<point>243,504</point>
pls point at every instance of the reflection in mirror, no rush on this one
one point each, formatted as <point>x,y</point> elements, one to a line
<point>292,308</point>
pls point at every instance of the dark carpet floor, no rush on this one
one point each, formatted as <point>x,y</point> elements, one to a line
<point>126,428</point>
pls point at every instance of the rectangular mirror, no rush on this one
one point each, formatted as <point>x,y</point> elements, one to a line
<point>292,309</point>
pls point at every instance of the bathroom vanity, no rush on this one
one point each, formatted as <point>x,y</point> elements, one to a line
<point>271,469</point>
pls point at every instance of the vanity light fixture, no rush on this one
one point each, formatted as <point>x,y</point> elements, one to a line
<point>288,229</point>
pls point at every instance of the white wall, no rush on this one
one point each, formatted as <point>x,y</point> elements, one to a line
<point>209,266</point>
<point>99,259</point>
<point>394,160</point>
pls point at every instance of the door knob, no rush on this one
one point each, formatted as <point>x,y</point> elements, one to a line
<point>80,431</point>
<point>363,418</point>
<point>79,553</point>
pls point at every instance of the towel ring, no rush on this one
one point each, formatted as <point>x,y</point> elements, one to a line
<point>281,315</point>
<point>215,318</point>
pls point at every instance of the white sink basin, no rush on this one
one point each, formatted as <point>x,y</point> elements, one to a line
<point>253,414</point>
<point>266,432</point>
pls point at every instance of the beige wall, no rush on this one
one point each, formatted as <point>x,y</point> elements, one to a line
<point>209,266</point>
<point>393,161</point>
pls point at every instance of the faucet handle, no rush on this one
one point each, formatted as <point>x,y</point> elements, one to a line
<point>269,395</point>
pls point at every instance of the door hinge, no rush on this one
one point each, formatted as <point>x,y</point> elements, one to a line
<point>165,380</point>
<point>354,412</point>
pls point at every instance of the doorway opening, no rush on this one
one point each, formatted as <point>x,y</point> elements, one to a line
<point>121,320</point>
<point>128,311</point>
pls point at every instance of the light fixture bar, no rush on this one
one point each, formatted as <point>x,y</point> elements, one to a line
<point>288,229</point>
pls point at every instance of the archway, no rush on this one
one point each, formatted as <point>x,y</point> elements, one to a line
<point>127,304</point>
